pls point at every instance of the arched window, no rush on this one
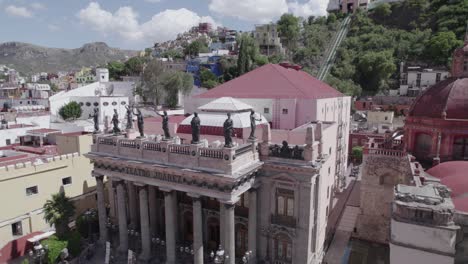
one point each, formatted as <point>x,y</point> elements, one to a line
<point>88,104</point>
<point>96,104</point>
<point>423,145</point>
<point>460,148</point>
<point>105,104</point>
<point>114,103</point>
<point>282,248</point>
<point>123,103</point>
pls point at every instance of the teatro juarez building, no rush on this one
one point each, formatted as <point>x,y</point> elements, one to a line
<point>177,203</point>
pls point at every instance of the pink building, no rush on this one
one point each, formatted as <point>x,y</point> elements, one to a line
<point>288,98</point>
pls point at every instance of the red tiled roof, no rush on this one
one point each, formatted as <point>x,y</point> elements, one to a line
<point>43,131</point>
<point>273,81</point>
<point>450,95</point>
<point>453,175</point>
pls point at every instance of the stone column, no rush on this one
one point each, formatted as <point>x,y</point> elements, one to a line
<point>145,225</point>
<point>111,193</point>
<point>222,211</point>
<point>197,230</point>
<point>253,223</point>
<point>101,204</point>
<point>229,239</point>
<point>123,247</point>
<point>170,217</point>
<point>132,204</point>
<point>153,210</point>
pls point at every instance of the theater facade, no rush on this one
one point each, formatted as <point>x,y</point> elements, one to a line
<point>178,203</point>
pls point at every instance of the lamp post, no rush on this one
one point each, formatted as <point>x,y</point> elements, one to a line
<point>220,257</point>
<point>247,256</point>
<point>159,243</point>
<point>39,255</point>
<point>186,253</point>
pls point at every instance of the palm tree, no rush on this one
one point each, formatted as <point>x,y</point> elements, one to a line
<point>57,212</point>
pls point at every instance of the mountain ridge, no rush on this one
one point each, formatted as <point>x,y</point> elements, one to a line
<point>30,58</point>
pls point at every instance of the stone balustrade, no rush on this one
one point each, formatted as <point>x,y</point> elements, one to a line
<point>191,156</point>
<point>385,152</point>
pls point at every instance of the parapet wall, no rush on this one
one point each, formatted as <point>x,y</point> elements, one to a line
<point>38,163</point>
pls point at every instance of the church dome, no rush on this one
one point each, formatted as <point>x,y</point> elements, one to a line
<point>447,99</point>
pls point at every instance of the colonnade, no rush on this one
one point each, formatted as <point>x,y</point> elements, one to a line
<point>147,211</point>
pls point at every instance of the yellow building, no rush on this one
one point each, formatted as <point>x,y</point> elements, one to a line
<point>28,180</point>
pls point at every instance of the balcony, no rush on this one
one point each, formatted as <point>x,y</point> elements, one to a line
<point>191,156</point>
<point>283,220</point>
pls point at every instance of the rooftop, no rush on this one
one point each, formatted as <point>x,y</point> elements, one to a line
<point>273,81</point>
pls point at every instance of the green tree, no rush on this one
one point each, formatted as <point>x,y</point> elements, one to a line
<point>53,87</point>
<point>206,75</point>
<point>148,52</point>
<point>134,66</point>
<point>243,61</point>
<point>288,29</point>
<point>176,82</point>
<point>356,153</point>
<point>116,69</point>
<point>383,10</point>
<point>331,18</point>
<point>441,46</point>
<point>153,81</point>
<point>72,110</point>
<point>173,53</point>
<point>57,211</point>
<point>196,47</point>
<point>374,69</point>
<point>261,60</point>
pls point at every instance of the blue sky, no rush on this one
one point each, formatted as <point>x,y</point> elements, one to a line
<point>134,24</point>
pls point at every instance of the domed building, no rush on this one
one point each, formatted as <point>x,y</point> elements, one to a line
<point>436,128</point>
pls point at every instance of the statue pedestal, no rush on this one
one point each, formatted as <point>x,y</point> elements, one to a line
<point>131,134</point>
<point>254,143</point>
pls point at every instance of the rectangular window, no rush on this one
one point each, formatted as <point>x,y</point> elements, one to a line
<point>66,181</point>
<point>8,142</point>
<point>31,190</point>
<point>17,229</point>
<point>284,202</point>
<point>354,142</point>
<point>285,111</point>
<point>266,110</point>
<point>438,75</point>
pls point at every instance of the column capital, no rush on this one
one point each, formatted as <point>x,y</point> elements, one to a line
<point>165,190</point>
<point>232,201</point>
<point>194,196</point>
<point>97,175</point>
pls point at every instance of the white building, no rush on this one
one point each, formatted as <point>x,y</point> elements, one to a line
<point>423,230</point>
<point>103,94</point>
<point>414,79</point>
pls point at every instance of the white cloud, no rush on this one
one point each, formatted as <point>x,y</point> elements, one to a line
<point>153,1</point>
<point>256,11</point>
<point>18,11</point>
<point>38,6</point>
<point>124,23</point>
<point>310,8</point>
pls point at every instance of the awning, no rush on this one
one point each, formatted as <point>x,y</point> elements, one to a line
<point>37,238</point>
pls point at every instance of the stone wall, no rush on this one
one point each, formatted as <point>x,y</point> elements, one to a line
<point>380,174</point>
